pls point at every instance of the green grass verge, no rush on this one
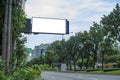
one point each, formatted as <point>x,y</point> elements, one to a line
<point>112,71</point>
<point>109,71</point>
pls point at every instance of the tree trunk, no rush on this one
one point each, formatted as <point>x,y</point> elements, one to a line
<point>87,61</point>
<point>67,65</point>
<point>70,65</point>
<point>13,47</point>
<point>6,47</point>
<point>74,64</point>
<point>103,61</point>
<point>15,63</point>
<point>82,63</point>
<point>94,59</point>
<point>87,64</point>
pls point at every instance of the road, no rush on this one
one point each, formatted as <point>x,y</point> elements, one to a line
<point>76,76</point>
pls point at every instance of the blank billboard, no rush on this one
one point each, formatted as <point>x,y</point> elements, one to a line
<point>50,25</point>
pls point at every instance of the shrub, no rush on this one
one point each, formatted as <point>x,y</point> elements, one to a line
<point>2,75</point>
<point>24,73</point>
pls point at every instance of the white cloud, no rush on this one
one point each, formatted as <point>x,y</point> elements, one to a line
<point>42,8</point>
<point>64,8</point>
<point>94,18</point>
<point>47,8</point>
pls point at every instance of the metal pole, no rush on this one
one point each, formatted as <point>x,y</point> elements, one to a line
<point>6,36</point>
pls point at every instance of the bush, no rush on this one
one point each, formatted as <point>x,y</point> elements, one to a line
<point>111,69</point>
<point>2,76</point>
<point>24,73</point>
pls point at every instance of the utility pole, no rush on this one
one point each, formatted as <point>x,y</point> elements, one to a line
<point>6,42</point>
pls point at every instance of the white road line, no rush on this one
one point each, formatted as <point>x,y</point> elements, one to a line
<point>94,79</point>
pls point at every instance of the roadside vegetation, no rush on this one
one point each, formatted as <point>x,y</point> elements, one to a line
<point>18,67</point>
<point>111,71</point>
<point>24,73</point>
<point>93,51</point>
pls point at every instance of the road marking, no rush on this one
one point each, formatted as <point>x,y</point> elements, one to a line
<point>94,79</point>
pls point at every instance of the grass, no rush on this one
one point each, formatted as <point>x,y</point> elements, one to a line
<point>117,72</point>
<point>109,71</point>
<point>112,71</point>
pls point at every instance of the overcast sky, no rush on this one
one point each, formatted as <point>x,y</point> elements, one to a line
<point>80,13</point>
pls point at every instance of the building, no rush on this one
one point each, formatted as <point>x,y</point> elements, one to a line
<point>39,50</point>
<point>28,50</point>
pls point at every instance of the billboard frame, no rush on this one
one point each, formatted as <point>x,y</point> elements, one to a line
<point>66,26</point>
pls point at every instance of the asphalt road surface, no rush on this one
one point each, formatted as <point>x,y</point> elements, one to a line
<point>76,76</point>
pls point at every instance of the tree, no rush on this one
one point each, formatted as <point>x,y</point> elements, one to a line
<point>50,57</point>
<point>72,50</point>
<point>96,34</point>
<point>17,24</point>
<point>40,60</point>
<point>63,51</point>
<point>105,46</point>
<point>81,48</point>
<point>69,52</point>
<point>19,55</point>
<point>87,47</point>
<point>111,26</point>
<point>111,54</point>
<point>111,23</point>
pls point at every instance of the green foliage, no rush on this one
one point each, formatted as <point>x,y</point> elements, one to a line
<point>96,34</point>
<point>111,23</point>
<point>99,44</point>
<point>40,60</point>
<point>24,73</point>
<point>79,63</point>
<point>50,57</point>
<point>18,22</point>
<point>2,76</point>
<point>56,53</point>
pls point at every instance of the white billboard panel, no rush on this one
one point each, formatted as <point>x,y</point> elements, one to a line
<point>50,25</point>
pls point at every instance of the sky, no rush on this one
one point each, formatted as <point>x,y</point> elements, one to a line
<point>80,13</point>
